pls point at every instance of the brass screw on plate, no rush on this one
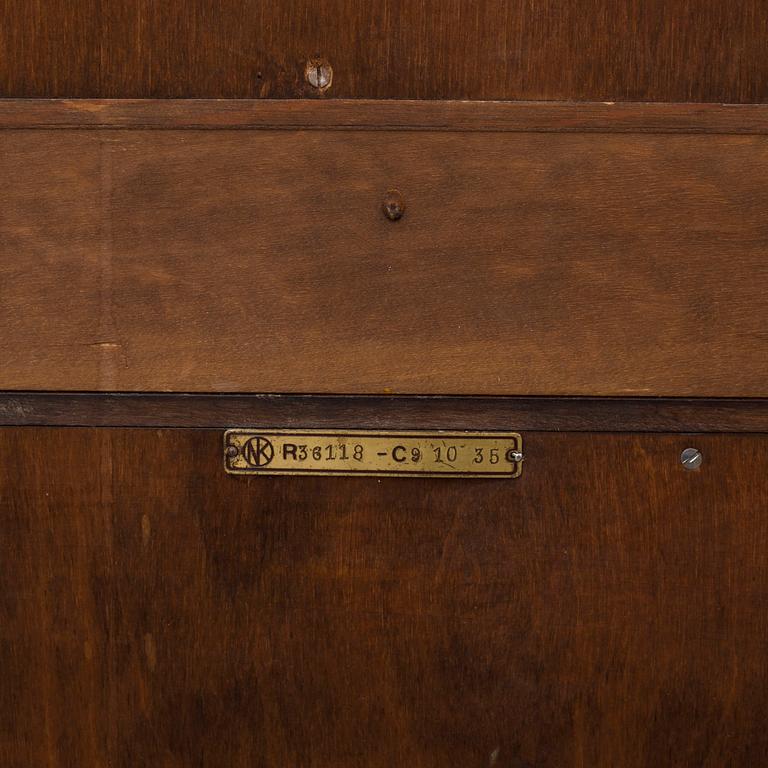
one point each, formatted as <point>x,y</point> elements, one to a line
<point>232,451</point>
<point>394,205</point>
<point>319,74</point>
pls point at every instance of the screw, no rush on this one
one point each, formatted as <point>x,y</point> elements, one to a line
<point>319,74</point>
<point>691,458</point>
<point>394,205</point>
<point>232,451</point>
<point>514,456</point>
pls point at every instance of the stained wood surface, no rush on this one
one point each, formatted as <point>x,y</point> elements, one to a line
<point>616,414</point>
<point>689,50</point>
<point>528,263</point>
<point>609,608</point>
<point>406,115</point>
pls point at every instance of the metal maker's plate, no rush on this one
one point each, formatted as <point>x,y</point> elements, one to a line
<point>383,453</point>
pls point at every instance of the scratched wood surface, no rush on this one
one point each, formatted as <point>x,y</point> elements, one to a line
<point>608,608</point>
<point>688,50</point>
<point>527,262</point>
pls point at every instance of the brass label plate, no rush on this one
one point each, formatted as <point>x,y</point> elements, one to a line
<point>382,453</point>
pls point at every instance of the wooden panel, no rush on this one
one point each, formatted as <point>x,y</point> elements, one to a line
<point>608,608</point>
<point>582,414</point>
<point>347,114</point>
<point>688,50</point>
<point>532,263</point>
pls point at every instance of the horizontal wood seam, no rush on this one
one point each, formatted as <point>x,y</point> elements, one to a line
<point>429,412</point>
<point>339,115</point>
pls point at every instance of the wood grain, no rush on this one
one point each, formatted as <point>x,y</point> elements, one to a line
<point>361,114</point>
<point>608,608</point>
<point>689,50</point>
<point>573,414</point>
<point>260,261</point>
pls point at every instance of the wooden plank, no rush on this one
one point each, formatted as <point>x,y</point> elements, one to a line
<point>689,50</point>
<point>260,261</point>
<point>608,608</point>
<point>492,116</point>
<point>583,414</point>
<point>56,597</point>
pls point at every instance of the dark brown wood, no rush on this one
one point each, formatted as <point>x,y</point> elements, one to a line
<point>688,50</point>
<point>608,608</point>
<point>345,114</point>
<point>398,412</point>
<point>261,261</point>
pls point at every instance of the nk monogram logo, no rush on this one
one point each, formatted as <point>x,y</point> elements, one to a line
<point>258,452</point>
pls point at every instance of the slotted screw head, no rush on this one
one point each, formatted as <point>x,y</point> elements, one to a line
<point>393,205</point>
<point>319,74</point>
<point>691,458</point>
